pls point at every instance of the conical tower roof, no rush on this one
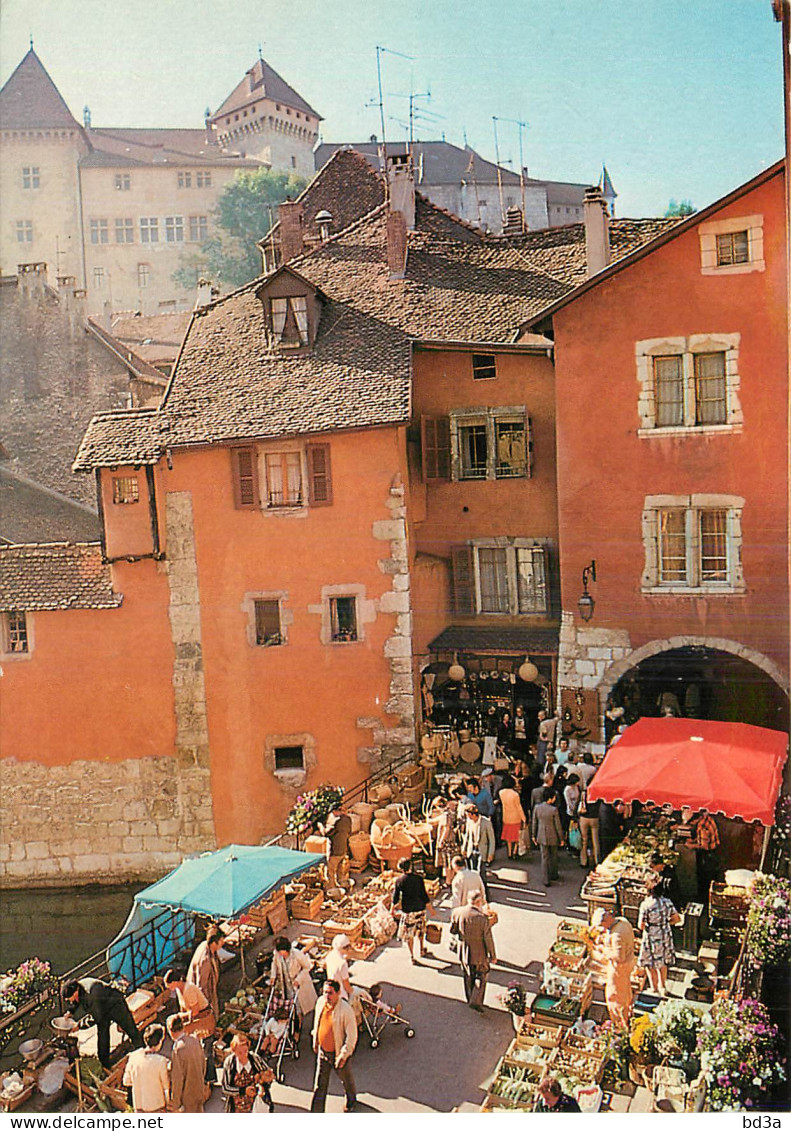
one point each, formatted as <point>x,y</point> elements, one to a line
<point>263,81</point>
<point>30,99</point>
<point>606,185</point>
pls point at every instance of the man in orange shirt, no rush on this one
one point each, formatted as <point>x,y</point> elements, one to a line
<point>334,1041</point>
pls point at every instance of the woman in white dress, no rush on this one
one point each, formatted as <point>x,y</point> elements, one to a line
<point>290,976</point>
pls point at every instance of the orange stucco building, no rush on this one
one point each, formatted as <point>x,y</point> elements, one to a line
<point>672,369</point>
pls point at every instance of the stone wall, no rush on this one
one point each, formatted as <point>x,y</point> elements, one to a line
<point>92,822</point>
<point>388,741</point>
<point>586,654</point>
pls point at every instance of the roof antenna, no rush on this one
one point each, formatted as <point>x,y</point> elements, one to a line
<point>260,54</point>
<point>31,41</point>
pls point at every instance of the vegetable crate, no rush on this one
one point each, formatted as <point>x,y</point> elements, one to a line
<point>572,930</point>
<point>727,905</point>
<point>354,929</point>
<point>546,1036</point>
<point>11,1103</point>
<point>307,905</point>
<point>572,957</point>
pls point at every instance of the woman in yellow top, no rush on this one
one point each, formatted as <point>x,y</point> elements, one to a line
<point>514,819</point>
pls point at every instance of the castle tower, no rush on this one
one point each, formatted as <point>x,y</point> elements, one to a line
<point>40,147</point>
<point>607,191</point>
<point>265,118</point>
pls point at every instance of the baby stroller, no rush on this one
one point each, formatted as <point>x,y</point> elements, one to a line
<point>287,1043</point>
<point>377,1015</point>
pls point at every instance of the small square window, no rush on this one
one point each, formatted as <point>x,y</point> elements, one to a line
<point>125,489</point>
<point>484,366</point>
<point>123,182</point>
<point>15,634</point>
<point>31,177</point>
<point>732,248</point>
<point>174,229</point>
<point>289,758</point>
<point>185,180</point>
<point>203,180</point>
<point>24,231</point>
<point>268,630</point>
<point>343,619</point>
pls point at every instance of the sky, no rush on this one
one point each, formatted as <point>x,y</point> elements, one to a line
<point>681,98</point>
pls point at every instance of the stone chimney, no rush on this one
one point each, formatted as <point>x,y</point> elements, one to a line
<point>206,293</point>
<point>292,235</point>
<point>597,231</point>
<point>32,278</point>
<point>514,222</point>
<point>396,245</point>
<point>401,184</point>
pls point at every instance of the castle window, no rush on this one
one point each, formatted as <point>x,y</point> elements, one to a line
<point>24,231</point>
<point>125,489</point>
<point>174,229</point>
<point>100,232</point>
<point>185,180</point>
<point>143,271</point>
<point>98,278</point>
<point>123,182</point>
<point>125,231</point>
<point>199,228</point>
<point>203,180</point>
<point>31,177</point>
<point>149,229</point>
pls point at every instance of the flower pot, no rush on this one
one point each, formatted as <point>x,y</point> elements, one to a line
<point>640,1071</point>
<point>516,1021</point>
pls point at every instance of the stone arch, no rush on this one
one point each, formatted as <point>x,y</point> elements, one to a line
<point>620,667</point>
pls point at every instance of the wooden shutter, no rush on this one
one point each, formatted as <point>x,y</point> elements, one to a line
<point>529,447</point>
<point>245,478</point>
<point>463,580</point>
<point>319,475</point>
<point>435,444</point>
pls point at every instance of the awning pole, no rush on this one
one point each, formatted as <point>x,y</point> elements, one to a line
<point>764,851</point>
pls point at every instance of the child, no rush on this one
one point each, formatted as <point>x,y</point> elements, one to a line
<point>274,1031</point>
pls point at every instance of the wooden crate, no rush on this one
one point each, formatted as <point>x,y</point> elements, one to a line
<point>592,1046</point>
<point>307,905</point>
<point>15,1102</point>
<point>567,962</point>
<point>546,1036</point>
<point>569,930</point>
<point>363,949</point>
<point>354,929</point>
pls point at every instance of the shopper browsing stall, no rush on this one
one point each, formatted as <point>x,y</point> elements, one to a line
<point>411,901</point>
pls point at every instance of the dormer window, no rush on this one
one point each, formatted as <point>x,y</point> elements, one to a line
<point>290,321</point>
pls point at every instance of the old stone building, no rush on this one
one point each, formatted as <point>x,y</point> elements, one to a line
<point>474,189</point>
<point>116,208</point>
<point>277,564</point>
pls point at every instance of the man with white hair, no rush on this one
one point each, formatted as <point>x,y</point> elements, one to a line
<point>470,924</point>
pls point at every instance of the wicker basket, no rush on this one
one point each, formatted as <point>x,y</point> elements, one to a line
<point>433,933</point>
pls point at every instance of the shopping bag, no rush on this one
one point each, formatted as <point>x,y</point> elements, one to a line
<point>524,841</point>
<point>575,836</point>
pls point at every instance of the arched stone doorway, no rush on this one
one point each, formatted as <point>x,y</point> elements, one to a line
<point>706,679</point>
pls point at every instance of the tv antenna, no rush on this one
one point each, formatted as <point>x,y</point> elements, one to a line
<point>522,127</point>
<point>380,51</point>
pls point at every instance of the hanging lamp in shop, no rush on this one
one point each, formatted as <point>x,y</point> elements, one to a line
<point>456,671</point>
<point>528,672</point>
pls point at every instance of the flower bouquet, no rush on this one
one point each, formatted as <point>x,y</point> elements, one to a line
<point>676,1037</point>
<point>642,1042</point>
<point>740,1054</point>
<point>769,921</point>
<point>18,987</point>
<point>515,1001</point>
<point>311,809</point>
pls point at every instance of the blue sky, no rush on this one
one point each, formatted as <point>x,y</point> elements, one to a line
<point>682,98</point>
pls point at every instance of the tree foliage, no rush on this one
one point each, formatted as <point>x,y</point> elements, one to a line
<point>679,208</point>
<point>244,213</point>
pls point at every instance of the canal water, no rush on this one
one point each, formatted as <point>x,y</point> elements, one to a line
<point>61,925</point>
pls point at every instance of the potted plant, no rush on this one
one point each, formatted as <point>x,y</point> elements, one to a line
<point>311,809</point>
<point>676,1037</point>
<point>617,1056</point>
<point>642,1042</point>
<point>515,1001</point>
<point>18,987</point>
<point>740,1055</point>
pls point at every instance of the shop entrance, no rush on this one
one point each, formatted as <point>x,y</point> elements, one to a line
<point>697,682</point>
<point>489,690</point>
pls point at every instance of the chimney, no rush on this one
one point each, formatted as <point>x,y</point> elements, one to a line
<point>207,292</point>
<point>323,221</point>
<point>292,238</point>
<point>209,137</point>
<point>32,278</point>
<point>514,222</point>
<point>401,183</point>
<point>396,244</point>
<point>597,231</point>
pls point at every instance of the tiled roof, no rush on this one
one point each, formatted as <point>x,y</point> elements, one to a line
<point>347,187</point>
<point>119,439</point>
<point>154,337</point>
<point>30,99</point>
<point>58,575</point>
<point>230,384</point>
<point>137,364</point>
<point>475,638</point>
<point>436,162</point>
<point>262,81</point>
<point>123,147</point>
<point>31,513</point>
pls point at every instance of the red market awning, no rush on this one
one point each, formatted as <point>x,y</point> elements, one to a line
<point>729,768</point>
